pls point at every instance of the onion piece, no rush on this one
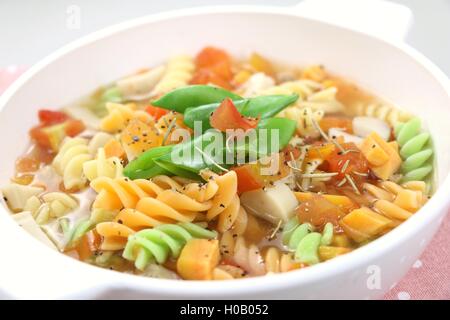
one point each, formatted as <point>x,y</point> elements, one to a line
<point>363,126</point>
<point>338,132</point>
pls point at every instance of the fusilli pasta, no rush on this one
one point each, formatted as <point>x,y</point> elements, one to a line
<point>414,150</point>
<point>179,71</point>
<point>50,205</point>
<point>382,111</point>
<point>103,167</point>
<point>120,114</point>
<point>158,244</point>
<point>397,202</point>
<point>69,162</point>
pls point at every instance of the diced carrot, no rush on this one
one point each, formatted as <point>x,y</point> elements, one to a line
<point>320,151</point>
<point>88,245</point>
<point>113,148</point>
<point>198,259</point>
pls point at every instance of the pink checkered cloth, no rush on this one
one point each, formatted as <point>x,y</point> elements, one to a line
<point>429,277</point>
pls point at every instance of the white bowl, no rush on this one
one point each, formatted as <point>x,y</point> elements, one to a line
<point>28,269</point>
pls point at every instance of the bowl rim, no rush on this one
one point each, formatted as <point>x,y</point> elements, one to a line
<point>208,289</point>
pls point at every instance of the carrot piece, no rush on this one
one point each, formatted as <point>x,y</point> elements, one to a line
<point>113,148</point>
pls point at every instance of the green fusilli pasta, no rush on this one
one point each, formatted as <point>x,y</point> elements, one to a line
<point>414,150</point>
<point>302,239</point>
<point>160,243</point>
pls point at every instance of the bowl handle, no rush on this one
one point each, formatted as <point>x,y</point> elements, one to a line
<point>387,20</point>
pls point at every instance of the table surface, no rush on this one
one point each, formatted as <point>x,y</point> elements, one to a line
<point>429,277</point>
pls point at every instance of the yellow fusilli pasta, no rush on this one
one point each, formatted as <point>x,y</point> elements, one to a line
<point>397,202</point>
<point>277,261</point>
<point>382,111</point>
<point>225,203</point>
<point>119,115</point>
<point>179,71</point>
<point>50,205</point>
<point>304,118</point>
<point>102,167</point>
<point>69,162</point>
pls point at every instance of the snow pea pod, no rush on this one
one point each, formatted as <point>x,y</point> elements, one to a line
<point>262,106</point>
<point>187,157</point>
<point>193,96</point>
<point>144,166</point>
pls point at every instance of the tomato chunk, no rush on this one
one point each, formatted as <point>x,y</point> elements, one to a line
<point>216,60</point>
<point>318,211</point>
<point>227,116</point>
<point>263,173</point>
<point>156,112</point>
<point>213,66</point>
<point>248,179</point>
<point>49,117</point>
<point>350,162</point>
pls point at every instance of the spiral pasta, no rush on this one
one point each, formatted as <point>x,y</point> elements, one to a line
<point>277,261</point>
<point>69,162</point>
<point>119,115</point>
<point>312,95</point>
<point>149,203</point>
<point>50,205</point>
<point>305,118</point>
<point>158,244</point>
<point>178,73</point>
<point>302,239</point>
<point>304,88</point>
<point>397,202</point>
<point>103,167</point>
<point>226,204</point>
<point>382,111</point>
<point>414,150</point>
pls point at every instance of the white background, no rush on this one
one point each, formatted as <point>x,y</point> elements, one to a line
<point>31,29</point>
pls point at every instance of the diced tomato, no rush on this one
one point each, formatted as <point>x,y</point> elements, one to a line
<point>348,162</point>
<point>216,60</point>
<point>40,137</point>
<point>88,245</point>
<point>247,178</point>
<point>206,76</point>
<point>156,112</point>
<point>49,137</point>
<point>50,117</point>
<point>318,211</point>
<point>213,66</point>
<point>227,116</point>
<point>74,127</point>
<point>289,152</point>
<point>336,122</point>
